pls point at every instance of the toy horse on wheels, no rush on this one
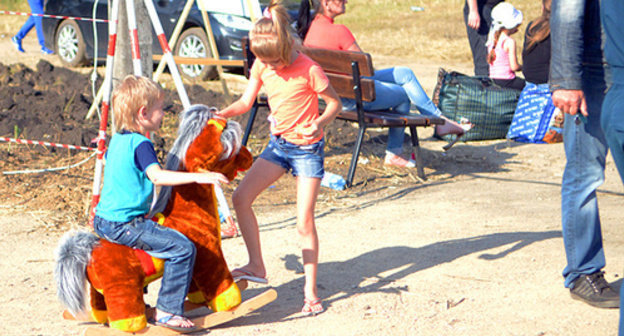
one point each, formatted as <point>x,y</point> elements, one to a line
<point>117,274</point>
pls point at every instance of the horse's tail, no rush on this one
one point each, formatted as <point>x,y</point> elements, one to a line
<point>72,257</point>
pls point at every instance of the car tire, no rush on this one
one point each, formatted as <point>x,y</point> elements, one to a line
<point>194,43</point>
<point>69,44</point>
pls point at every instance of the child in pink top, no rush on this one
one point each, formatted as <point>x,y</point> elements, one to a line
<point>293,83</point>
<point>502,56</point>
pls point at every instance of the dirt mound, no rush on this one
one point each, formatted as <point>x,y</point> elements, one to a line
<point>50,103</point>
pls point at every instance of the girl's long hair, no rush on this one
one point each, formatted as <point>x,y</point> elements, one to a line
<point>272,36</point>
<point>540,29</point>
<point>492,54</point>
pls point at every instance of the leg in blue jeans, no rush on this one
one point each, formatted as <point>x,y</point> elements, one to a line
<point>160,242</point>
<point>36,6</point>
<point>388,96</point>
<point>613,123</point>
<point>405,78</point>
<point>586,149</point>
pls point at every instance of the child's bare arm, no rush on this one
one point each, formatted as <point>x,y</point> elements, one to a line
<point>244,103</point>
<point>160,176</point>
<point>510,47</point>
<point>333,106</point>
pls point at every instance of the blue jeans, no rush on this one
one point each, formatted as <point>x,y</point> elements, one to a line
<point>586,149</point>
<point>396,88</point>
<point>613,120</point>
<point>303,160</point>
<point>160,242</point>
<point>36,6</point>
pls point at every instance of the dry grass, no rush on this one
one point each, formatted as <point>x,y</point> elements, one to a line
<point>385,27</point>
<point>391,28</point>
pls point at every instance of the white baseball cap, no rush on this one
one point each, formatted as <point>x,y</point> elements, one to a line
<point>506,15</point>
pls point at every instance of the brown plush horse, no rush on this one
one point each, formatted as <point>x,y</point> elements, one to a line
<point>117,274</point>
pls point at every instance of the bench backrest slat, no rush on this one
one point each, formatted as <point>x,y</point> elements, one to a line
<point>343,85</point>
<point>339,61</point>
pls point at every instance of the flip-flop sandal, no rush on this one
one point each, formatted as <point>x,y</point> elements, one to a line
<point>164,322</point>
<point>246,275</point>
<point>312,307</point>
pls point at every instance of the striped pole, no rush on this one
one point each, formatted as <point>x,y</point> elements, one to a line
<point>173,69</point>
<point>164,45</point>
<point>107,85</point>
<point>44,143</point>
<point>134,38</point>
<point>53,16</point>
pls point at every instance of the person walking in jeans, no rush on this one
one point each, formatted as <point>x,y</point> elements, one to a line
<point>578,83</point>
<point>36,6</point>
<point>612,119</point>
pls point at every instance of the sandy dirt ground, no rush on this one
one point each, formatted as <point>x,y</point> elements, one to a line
<point>476,249</point>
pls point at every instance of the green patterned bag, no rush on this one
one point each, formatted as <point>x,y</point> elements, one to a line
<point>478,100</point>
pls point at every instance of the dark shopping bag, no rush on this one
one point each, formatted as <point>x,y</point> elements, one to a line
<point>536,119</point>
<point>477,100</point>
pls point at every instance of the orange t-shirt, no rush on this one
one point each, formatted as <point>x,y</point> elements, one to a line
<point>293,95</point>
<point>323,33</point>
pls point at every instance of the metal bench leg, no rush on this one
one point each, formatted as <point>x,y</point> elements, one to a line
<point>252,117</point>
<point>416,150</point>
<point>354,157</point>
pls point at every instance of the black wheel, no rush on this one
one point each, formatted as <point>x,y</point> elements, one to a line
<point>194,43</point>
<point>69,43</point>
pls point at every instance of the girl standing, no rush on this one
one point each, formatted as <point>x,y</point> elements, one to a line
<point>502,56</point>
<point>293,83</point>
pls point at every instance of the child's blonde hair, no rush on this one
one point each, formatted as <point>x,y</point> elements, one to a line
<point>130,95</point>
<point>272,36</point>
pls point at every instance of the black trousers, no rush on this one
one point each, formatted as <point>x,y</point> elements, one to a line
<point>478,38</point>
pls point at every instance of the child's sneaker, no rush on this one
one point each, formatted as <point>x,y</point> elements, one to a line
<point>18,44</point>
<point>398,161</point>
<point>46,51</point>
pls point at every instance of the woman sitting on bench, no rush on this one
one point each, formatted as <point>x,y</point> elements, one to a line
<point>396,88</point>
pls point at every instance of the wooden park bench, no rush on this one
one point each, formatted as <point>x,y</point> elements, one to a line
<point>346,71</point>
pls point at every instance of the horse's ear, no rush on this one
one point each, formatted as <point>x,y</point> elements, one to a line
<point>206,149</point>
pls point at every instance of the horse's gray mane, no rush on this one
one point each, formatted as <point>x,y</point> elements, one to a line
<point>192,121</point>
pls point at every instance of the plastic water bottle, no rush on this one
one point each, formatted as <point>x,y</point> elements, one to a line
<point>333,181</point>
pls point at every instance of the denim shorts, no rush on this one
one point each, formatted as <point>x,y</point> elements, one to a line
<point>302,160</point>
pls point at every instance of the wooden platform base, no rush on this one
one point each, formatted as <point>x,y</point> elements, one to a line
<point>202,322</point>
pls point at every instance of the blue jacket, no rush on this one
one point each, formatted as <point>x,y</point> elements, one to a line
<point>612,13</point>
<point>576,41</point>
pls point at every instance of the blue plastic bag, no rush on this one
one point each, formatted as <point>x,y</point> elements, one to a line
<point>536,118</point>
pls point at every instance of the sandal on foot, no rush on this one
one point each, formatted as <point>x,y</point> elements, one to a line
<point>166,322</point>
<point>246,275</point>
<point>312,307</point>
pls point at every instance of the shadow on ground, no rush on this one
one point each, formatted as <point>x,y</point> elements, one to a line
<point>363,274</point>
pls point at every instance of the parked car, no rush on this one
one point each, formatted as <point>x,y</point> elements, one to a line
<point>73,40</point>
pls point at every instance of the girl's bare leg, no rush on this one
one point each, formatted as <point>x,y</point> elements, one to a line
<point>261,175</point>
<point>307,192</point>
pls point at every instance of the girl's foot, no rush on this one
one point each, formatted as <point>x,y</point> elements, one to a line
<point>312,307</point>
<point>174,322</point>
<point>243,274</point>
<point>452,127</point>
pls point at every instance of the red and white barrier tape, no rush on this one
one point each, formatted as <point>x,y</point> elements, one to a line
<point>53,16</point>
<point>45,170</point>
<point>44,143</point>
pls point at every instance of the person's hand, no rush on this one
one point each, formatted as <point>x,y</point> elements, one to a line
<point>204,177</point>
<point>216,114</point>
<point>570,101</point>
<point>309,130</point>
<point>474,20</point>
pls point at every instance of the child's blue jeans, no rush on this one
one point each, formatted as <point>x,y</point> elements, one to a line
<point>160,242</point>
